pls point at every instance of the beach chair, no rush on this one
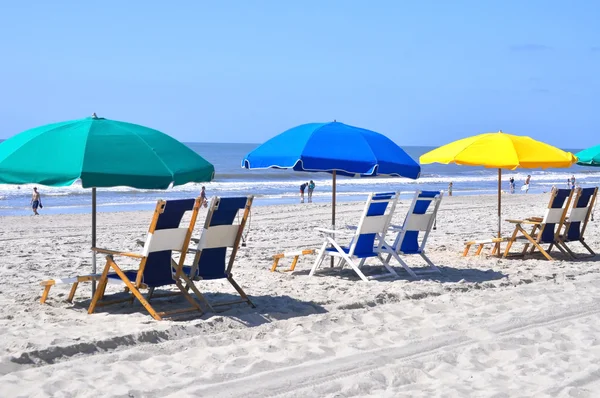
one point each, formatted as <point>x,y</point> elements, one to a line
<point>369,235</point>
<point>545,230</point>
<point>223,229</point>
<point>156,264</point>
<point>174,219</point>
<point>577,221</point>
<point>420,218</point>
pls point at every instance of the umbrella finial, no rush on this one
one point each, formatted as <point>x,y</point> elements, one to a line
<point>334,120</point>
<point>94,116</point>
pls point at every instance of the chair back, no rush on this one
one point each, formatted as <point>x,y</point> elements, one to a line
<point>223,229</point>
<point>165,236</point>
<point>555,215</point>
<point>580,213</point>
<point>420,218</point>
<point>374,222</point>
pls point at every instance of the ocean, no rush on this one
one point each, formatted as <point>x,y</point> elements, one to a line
<point>282,186</point>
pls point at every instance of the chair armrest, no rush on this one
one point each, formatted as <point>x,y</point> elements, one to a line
<point>332,231</point>
<point>537,219</point>
<point>524,222</point>
<point>117,253</point>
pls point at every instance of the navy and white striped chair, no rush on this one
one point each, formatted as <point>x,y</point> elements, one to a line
<point>165,236</point>
<point>413,233</point>
<point>223,230</point>
<point>577,221</point>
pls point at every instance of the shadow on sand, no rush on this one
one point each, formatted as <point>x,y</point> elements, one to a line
<point>447,274</point>
<point>268,308</point>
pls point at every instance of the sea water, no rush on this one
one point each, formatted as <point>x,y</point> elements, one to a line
<point>282,186</point>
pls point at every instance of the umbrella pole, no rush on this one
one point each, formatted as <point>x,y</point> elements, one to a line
<point>333,208</point>
<point>498,247</point>
<point>93,238</point>
<point>499,202</point>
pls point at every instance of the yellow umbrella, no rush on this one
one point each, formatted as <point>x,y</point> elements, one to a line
<point>500,151</point>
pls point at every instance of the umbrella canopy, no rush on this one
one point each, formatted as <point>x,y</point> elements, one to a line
<point>102,153</point>
<point>335,148</point>
<point>589,157</point>
<point>500,151</point>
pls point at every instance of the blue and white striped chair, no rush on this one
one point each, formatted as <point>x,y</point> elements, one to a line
<point>368,236</point>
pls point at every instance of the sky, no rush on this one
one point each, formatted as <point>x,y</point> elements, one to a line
<point>421,72</point>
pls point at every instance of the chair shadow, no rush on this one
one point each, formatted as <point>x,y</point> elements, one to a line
<point>555,254</point>
<point>447,274</point>
<point>267,310</point>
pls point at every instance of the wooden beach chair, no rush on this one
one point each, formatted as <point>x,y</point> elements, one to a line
<point>577,221</point>
<point>419,219</point>
<point>364,241</point>
<point>156,264</point>
<point>223,230</point>
<point>544,230</point>
<point>76,280</point>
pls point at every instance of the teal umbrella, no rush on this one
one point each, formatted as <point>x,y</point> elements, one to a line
<point>589,157</point>
<point>101,153</point>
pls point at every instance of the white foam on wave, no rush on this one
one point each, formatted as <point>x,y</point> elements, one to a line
<point>285,188</point>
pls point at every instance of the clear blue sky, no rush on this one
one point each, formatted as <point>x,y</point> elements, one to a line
<point>421,72</point>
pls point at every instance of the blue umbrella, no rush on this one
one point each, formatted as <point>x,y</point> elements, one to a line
<point>334,148</point>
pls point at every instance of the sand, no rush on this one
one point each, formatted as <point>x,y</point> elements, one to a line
<point>484,327</point>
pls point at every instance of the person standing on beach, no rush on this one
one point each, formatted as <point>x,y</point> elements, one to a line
<point>573,181</point>
<point>450,189</point>
<point>311,188</point>
<point>302,188</point>
<point>511,183</point>
<point>36,201</point>
<point>203,201</point>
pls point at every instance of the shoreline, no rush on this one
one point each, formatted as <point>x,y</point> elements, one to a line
<point>258,201</point>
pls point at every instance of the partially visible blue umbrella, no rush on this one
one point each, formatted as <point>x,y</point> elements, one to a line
<point>334,148</point>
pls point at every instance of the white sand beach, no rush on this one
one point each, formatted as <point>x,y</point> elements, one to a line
<point>485,327</point>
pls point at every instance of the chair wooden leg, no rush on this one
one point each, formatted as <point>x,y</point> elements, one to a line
<point>45,293</point>
<point>275,262</point>
<point>190,284</point>
<point>294,263</point>
<point>589,249</point>
<point>240,291</point>
<point>72,292</point>
<point>134,290</point>
<point>536,245</point>
<point>188,297</point>
<point>150,294</point>
<point>510,242</point>
<point>101,286</point>
<point>479,249</point>
<point>466,252</point>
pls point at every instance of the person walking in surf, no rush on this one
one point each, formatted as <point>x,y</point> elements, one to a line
<point>302,188</point>
<point>311,188</point>
<point>36,201</point>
